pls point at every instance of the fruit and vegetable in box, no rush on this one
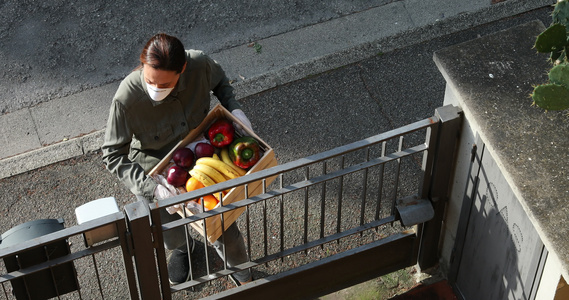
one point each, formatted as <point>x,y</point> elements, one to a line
<point>221,155</point>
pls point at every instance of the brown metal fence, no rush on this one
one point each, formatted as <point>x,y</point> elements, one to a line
<point>323,206</point>
<point>328,221</point>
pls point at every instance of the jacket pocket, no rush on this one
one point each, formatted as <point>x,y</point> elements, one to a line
<point>155,139</point>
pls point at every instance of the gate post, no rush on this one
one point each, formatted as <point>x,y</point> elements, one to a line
<point>143,250</point>
<point>436,187</point>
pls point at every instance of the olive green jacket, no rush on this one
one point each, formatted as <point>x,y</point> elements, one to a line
<point>141,131</point>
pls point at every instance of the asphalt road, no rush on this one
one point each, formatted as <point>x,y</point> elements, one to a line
<point>297,119</point>
<point>58,48</point>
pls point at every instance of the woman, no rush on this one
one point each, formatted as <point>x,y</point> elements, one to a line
<point>154,108</point>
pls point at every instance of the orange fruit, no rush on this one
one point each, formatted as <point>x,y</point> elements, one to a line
<point>193,184</point>
<point>209,202</point>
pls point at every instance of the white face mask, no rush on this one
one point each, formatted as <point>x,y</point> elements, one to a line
<point>158,94</point>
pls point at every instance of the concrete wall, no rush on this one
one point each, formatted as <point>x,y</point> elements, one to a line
<point>527,151</point>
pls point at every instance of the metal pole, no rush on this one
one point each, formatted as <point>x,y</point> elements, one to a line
<point>443,159</point>
<point>124,237</point>
<point>141,233</point>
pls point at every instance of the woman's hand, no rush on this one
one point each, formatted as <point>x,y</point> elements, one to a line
<point>161,192</point>
<point>165,190</point>
<point>240,115</point>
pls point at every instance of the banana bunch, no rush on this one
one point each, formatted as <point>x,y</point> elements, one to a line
<point>212,170</point>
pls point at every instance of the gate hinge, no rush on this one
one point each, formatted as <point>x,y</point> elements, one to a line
<point>473,153</point>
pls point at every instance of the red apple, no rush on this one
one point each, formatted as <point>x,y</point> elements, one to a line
<point>177,176</point>
<point>204,150</point>
<point>183,157</point>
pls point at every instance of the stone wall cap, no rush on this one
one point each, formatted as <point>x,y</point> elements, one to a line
<point>493,77</point>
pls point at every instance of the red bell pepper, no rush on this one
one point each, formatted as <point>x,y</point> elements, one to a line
<point>221,133</point>
<point>245,152</point>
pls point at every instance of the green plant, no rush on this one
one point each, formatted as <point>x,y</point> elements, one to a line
<point>255,46</point>
<point>554,95</point>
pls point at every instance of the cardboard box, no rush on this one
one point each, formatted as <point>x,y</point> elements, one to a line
<point>213,224</point>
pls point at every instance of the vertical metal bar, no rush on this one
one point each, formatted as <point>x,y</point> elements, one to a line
<point>222,221</point>
<point>428,160</point>
<point>323,203</point>
<point>205,241</point>
<point>188,246</point>
<point>380,188</point>
<point>124,238</point>
<point>306,174</point>
<point>248,221</point>
<point>46,252</point>
<point>364,190</point>
<point>396,184</point>
<point>265,234</point>
<point>98,276</point>
<point>443,167</point>
<point>137,214</point>
<point>340,194</point>
<point>281,208</point>
<point>157,240</point>
<point>23,278</point>
<point>74,272</point>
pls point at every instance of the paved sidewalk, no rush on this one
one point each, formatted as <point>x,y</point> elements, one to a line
<point>71,126</point>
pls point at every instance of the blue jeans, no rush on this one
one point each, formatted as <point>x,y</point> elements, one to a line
<point>232,239</point>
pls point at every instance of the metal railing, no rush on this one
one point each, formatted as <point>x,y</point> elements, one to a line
<point>327,221</point>
<point>323,205</point>
<point>58,265</point>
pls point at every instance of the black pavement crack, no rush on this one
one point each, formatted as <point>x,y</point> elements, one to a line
<point>383,113</point>
<point>372,96</point>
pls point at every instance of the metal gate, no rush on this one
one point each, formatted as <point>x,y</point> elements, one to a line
<point>336,218</point>
<point>328,221</point>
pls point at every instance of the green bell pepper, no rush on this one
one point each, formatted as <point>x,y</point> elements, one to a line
<point>245,152</point>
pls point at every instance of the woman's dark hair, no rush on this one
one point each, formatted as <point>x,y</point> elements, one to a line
<point>164,52</point>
